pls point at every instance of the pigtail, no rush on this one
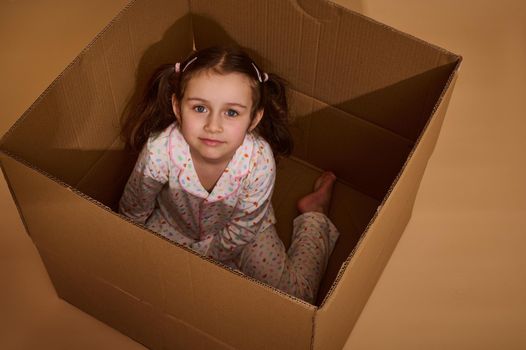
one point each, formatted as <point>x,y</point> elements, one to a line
<point>154,112</point>
<point>274,127</point>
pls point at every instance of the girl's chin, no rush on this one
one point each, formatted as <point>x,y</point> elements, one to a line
<point>209,156</point>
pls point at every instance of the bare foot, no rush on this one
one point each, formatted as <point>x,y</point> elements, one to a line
<point>320,199</point>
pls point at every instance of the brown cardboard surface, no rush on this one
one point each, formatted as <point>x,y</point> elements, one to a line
<point>97,83</point>
<point>379,240</point>
<point>38,41</point>
<point>33,317</point>
<point>453,281</point>
<point>131,268</point>
<point>329,56</point>
<point>144,278</point>
<point>391,300</point>
<point>324,135</point>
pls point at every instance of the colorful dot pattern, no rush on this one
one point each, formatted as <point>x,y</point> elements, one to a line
<point>164,193</point>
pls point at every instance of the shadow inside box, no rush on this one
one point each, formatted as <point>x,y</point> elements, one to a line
<point>365,141</point>
<point>350,211</point>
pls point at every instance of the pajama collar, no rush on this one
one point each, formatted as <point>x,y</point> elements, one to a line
<point>229,181</point>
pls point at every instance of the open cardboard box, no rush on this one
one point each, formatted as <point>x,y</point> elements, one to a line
<point>368,103</point>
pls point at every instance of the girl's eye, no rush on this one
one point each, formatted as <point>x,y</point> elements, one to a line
<point>232,113</point>
<point>200,109</point>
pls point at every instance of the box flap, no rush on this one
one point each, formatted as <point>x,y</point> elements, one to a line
<point>87,247</point>
<point>65,124</point>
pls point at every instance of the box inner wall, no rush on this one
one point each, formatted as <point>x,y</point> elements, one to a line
<point>350,118</point>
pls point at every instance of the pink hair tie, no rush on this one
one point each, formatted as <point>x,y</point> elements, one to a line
<point>177,67</point>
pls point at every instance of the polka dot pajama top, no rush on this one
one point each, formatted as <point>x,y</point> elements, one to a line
<point>164,193</point>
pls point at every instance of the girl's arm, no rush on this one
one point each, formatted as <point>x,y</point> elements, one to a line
<point>145,182</point>
<point>253,212</point>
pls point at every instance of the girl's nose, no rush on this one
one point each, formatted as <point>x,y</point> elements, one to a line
<point>213,123</point>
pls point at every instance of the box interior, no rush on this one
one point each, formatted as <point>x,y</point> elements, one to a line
<point>361,95</point>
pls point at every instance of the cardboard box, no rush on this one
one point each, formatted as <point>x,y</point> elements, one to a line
<point>368,100</point>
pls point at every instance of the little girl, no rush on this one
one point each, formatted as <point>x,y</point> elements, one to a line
<point>209,129</point>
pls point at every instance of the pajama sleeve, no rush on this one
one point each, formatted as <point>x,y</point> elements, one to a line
<point>146,181</point>
<point>253,211</point>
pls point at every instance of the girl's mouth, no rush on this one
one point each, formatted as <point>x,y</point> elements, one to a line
<point>211,142</point>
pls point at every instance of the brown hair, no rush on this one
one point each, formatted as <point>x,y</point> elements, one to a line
<point>154,112</point>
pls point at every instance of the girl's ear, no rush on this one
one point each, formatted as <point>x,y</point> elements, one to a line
<point>256,120</point>
<point>176,108</point>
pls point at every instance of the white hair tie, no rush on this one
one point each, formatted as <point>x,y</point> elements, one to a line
<point>177,66</point>
<point>261,78</point>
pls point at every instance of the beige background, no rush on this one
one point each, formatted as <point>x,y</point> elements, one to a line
<point>457,279</point>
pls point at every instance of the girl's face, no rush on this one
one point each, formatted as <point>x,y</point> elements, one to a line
<point>215,115</point>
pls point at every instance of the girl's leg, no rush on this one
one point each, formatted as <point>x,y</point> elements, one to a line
<point>299,271</point>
